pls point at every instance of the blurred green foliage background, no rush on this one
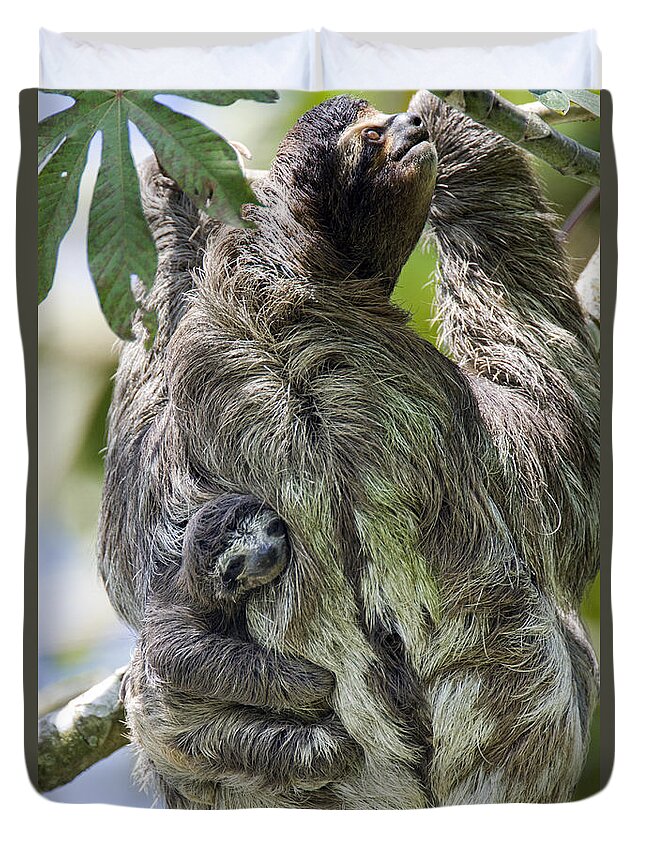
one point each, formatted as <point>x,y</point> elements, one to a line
<point>78,632</point>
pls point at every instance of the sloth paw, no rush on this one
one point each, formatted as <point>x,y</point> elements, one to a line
<point>300,685</point>
<point>330,755</point>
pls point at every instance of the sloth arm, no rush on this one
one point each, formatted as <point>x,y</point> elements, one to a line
<point>511,321</point>
<point>184,650</point>
<point>514,681</point>
<point>138,460</point>
<point>249,748</point>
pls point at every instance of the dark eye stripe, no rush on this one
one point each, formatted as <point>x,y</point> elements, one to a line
<point>233,569</point>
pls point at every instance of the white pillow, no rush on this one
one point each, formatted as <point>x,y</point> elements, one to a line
<point>285,62</point>
<point>566,62</point>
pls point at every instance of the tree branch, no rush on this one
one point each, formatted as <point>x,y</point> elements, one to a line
<point>588,286</point>
<point>588,290</point>
<point>79,734</point>
<point>529,131</point>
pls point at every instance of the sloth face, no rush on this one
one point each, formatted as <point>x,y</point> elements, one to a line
<point>258,551</point>
<point>396,145</point>
<point>362,179</point>
<point>232,545</point>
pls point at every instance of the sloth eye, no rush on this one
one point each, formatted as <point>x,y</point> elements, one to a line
<point>372,134</point>
<point>276,528</point>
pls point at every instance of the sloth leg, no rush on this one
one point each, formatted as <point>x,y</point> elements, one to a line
<point>277,752</point>
<point>510,713</point>
<point>251,750</point>
<point>183,781</point>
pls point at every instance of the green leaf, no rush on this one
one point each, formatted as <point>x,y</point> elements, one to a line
<point>58,184</point>
<point>554,99</point>
<point>585,99</point>
<point>225,97</point>
<point>86,113</point>
<point>119,241</point>
<point>203,164</point>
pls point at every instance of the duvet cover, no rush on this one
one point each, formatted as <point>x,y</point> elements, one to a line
<point>316,435</point>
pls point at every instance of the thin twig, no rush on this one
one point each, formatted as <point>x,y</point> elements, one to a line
<point>585,204</point>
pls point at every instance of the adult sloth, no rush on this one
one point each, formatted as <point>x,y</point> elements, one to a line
<point>442,514</point>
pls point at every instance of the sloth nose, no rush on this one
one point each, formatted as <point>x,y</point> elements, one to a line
<point>407,122</point>
<point>407,130</point>
<point>261,560</point>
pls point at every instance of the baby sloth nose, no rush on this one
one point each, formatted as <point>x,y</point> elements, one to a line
<point>407,130</point>
<point>262,560</point>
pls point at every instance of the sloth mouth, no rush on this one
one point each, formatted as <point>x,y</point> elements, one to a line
<point>412,146</point>
<point>418,153</point>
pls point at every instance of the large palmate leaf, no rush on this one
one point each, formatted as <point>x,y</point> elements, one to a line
<point>119,242</point>
<point>60,176</point>
<point>203,164</point>
<point>83,116</point>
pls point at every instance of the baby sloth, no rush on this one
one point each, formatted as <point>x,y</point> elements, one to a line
<point>231,546</point>
<point>197,678</point>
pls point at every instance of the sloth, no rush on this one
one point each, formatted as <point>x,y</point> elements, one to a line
<point>231,546</point>
<point>194,645</point>
<point>441,502</point>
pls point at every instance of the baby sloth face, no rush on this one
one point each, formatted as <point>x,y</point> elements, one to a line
<point>257,553</point>
<point>231,545</point>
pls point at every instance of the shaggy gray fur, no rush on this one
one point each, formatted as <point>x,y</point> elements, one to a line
<point>196,661</point>
<point>442,514</point>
